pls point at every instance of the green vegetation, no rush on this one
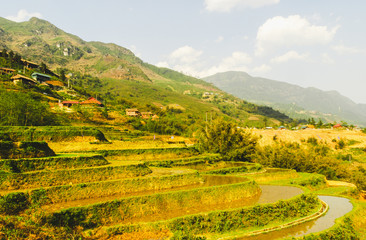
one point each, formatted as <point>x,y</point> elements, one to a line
<point>51,133</point>
<point>345,231</point>
<point>19,109</point>
<point>73,176</point>
<point>126,209</point>
<point>313,158</point>
<point>247,218</point>
<point>250,168</point>
<point>24,150</point>
<point>127,152</point>
<point>58,194</point>
<point>59,162</point>
<point>150,183</point>
<point>225,138</point>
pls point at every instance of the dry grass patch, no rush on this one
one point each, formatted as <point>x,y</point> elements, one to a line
<point>326,135</point>
<point>87,147</point>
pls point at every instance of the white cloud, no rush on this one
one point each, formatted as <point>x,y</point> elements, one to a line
<point>264,68</point>
<point>228,5</point>
<point>24,15</point>
<point>219,39</point>
<point>185,54</point>
<point>327,59</point>
<point>163,64</point>
<point>189,61</point>
<point>291,55</point>
<point>291,31</point>
<point>134,49</point>
<point>238,61</point>
<point>342,49</point>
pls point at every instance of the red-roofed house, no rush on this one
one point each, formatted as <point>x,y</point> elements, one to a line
<point>69,103</point>
<point>337,126</point>
<point>92,101</point>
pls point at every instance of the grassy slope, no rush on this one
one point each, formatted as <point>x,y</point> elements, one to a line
<point>121,71</point>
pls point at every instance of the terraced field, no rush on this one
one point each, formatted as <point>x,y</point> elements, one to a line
<point>152,193</point>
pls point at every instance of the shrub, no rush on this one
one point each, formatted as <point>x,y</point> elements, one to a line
<point>6,148</point>
<point>38,149</point>
<point>19,109</point>
<point>14,203</point>
<point>225,138</point>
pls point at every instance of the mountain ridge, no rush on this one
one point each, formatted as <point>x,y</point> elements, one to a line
<point>329,105</point>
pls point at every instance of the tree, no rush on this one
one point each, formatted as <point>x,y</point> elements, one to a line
<point>19,109</point>
<point>320,124</point>
<point>17,58</point>
<point>226,139</point>
<point>4,54</point>
<point>62,75</point>
<point>43,67</point>
<point>11,55</point>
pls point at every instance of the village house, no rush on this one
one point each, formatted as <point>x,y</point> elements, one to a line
<point>92,101</point>
<point>56,85</point>
<point>23,79</point>
<point>41,77</point>
<point>132,112</point>
<point>29,64</point>
<point>146,115</point>
<point>6,71</point>
<point>68,103</point>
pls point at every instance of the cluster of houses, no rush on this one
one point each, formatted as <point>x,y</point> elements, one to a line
<point>46,80</point>
<point>36,78</point>
<point>134,112</point>
<point>90,102</point>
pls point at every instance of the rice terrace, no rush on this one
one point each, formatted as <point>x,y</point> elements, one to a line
<point>96,143</point>
<point>146,188</point>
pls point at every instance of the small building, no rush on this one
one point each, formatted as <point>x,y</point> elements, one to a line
<point>57,85</point>
<point>23,79</point>
<point>6,71</point>
<point>69,103</point>
<point>132,112</point>
<point>40,77</point>
<point>337,126</point>
<point>29,64</point>
<point>92,101</point>
<point>146,115</point>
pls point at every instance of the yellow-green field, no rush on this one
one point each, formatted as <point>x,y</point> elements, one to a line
<point>164,189</point>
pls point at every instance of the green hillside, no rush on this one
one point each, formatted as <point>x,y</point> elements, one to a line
<point>120,80</point>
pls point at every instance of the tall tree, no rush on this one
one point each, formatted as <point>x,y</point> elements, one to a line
<point>4,53</point>
<point>43,67</point>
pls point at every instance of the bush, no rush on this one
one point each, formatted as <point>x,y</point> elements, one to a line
<point>19,109</point>
<point>6,148</point>
<point>51,133</point>
<point>225,138</point>
<point>25,149</point>
<point>311,159</point>
<point>14,203</point>
<point>38,149</point>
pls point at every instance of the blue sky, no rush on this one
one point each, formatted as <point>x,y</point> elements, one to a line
<point>311,43</point>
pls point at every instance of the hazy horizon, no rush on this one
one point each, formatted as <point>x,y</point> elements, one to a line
<point>308,43</point>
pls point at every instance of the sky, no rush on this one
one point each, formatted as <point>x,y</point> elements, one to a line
<point>310,43</point>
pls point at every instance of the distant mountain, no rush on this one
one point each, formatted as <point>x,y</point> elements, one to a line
<point>296,101</point>
<point>123,78</point>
